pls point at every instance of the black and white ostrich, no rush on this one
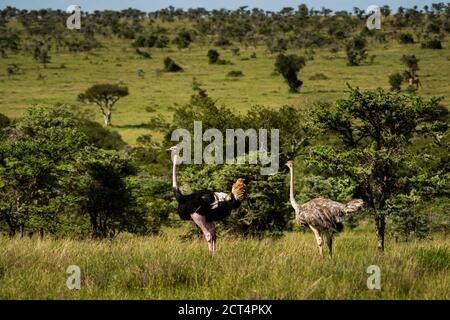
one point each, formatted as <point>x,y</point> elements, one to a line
<point>204,207</point>
<point>322,216</point>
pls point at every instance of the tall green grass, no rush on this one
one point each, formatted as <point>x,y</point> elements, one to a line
<point>165,267</point>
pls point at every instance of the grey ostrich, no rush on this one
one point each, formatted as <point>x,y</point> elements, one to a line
<point>322,216</point>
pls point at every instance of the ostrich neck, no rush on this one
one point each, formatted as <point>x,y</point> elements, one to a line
<point>174,172</point>
<point>291,194</point>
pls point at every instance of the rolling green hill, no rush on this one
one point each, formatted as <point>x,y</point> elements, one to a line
<point>117,62</point>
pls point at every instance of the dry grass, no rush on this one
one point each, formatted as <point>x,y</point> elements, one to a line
<point>166,268</point>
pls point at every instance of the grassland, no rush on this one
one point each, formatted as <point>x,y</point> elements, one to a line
<point>167,268</point>
<point>117,62</point>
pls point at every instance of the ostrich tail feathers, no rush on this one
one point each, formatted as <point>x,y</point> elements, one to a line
<point>353,206</point>
<point>238,190</point>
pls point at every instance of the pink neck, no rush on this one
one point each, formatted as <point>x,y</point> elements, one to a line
<point>174,172</point>
<point>291,192</point>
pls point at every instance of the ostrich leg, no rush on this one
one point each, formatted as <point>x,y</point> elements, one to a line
<point>212,230</point>
<point>200,221</point>
<point>319,240</point>
<point>329,237</point>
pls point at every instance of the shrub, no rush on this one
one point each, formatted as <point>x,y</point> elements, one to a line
<point>411,89</point>
<point>235,73</point>
<point>406,38</point>
<point>183,39</point>
<point>213,56</point>
<point>395,80</point>
<point>288,66</point>
<point>143,54</point>
<point>4,122</point>
<point>432,44</point>
<point>222,42</point>
<point>356,51</point>
<point>265,212</point>
<point>236,51</point>
<point>318,76</point>
<point>412,63</point>
<point>171,66</point>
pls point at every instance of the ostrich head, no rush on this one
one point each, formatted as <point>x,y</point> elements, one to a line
<point>173,153</point>
<point>238,189</point>
<point>290,164</point>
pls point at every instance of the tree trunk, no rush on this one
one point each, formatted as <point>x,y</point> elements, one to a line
<point>380,226</point>
<point>94,227</point>
<point>9,222</point>
<point>107,119</point>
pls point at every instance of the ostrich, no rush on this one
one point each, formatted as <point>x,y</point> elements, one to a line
<point>204,207</point>
<point>322,216</point>
<point>414,81</point>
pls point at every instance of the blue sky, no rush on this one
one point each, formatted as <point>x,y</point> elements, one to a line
<point>151,5</point>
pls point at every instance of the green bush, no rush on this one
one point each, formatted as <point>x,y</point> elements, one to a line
<point>396,80</point>
<point>406,38</point>
<point>265,212</point>
<point>143,54</point>
<point>171,66</point>
<point>214,58</point>
<point>432,44</point>
<point>289,66</point>
<point>235,74</point>
<point>4,121</point>
<point>183,39</point>
<point>318,76</point>
<point>356,50</point>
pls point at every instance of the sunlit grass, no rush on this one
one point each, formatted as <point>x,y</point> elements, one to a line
<point>116,62</point>
<point>165,267</point>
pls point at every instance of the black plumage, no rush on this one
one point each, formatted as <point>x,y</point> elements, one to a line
<point>204,207</point>
<point>206,203</point>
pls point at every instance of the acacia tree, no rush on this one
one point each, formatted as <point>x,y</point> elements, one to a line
<point>412,63</point>
<point>289,66</point>
<point>103,190</point>
<point>105,97</point>
<point>183,39</point>
<point>376,130</point>
<point>265,212</point>
<point>213,56</point>
<point>34,161</point>
<point>356,50</point>
<point>295,131</point>
<point>40,54</point>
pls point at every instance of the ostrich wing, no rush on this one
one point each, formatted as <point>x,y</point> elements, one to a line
<point>218,198</point>
<point>198,201</point>
<point>325,213</point>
